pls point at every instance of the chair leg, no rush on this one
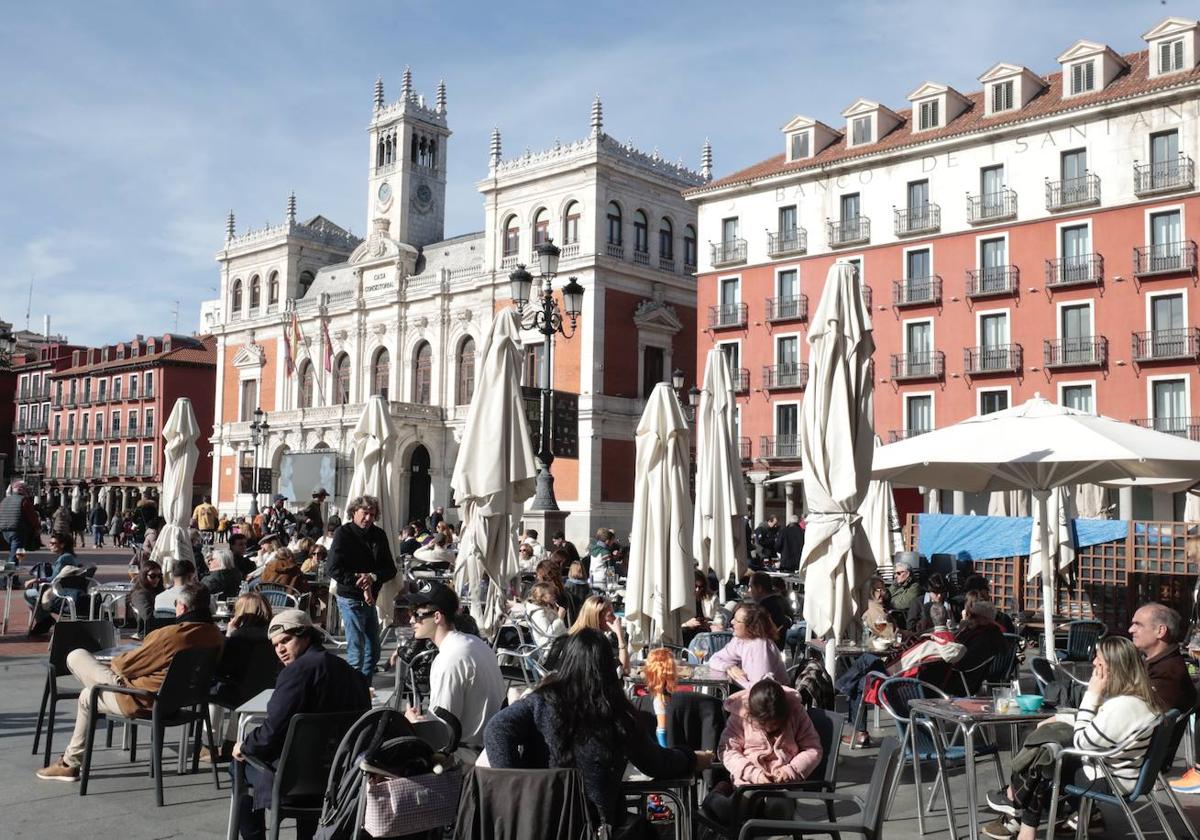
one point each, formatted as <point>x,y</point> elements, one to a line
<point>133,735</point>
<point>274,820</point>
<point>89,742</point>
<point>916,762</point>
<point>1129,815</point>
<point>1174,800</point>
<point>235,795</point>
<point>1083,818</point>
<point>50,721</point>
<point>1162,817</point>
<point>156,738</point>
<point>196,746</point>
<point>37,733</point>
<point>108,733</point>
<point>212,752</point>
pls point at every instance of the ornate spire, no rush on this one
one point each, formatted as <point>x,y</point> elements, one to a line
<point>291,208</point>
<point>441,97</point>
<point>495,146</point>
<point>378,92</point>
<point>406,88</point>
<point>230,227</point>
<point>597,117</point>
<point>706,160</point>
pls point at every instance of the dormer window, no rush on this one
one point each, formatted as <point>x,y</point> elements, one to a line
<point>1170,56</point>
<point>1173,46</point>
<point>805,138</point>
<point>860,131</point>
<point>1083,77</point>
<point>928,115</point>
<point>800,145</point>
<point>1088,67</point>
<point>1002,96</point>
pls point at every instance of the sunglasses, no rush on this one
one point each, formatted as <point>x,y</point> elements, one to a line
<point>153,574</point>
<point>421,616</point>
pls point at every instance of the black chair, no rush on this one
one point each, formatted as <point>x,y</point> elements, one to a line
<point>1005,664</point>
<point>66,637</point>
<point>1081,640</point>
<point>972,680</point>
<point>181,700</point>
<point>301,774</point>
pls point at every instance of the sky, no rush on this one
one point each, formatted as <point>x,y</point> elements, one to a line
<point>128,130</point>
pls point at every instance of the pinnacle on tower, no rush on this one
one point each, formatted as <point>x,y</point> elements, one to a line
<point>230,227</point>
<point>706,160</point>
<point>291,208</point>
<point>441,97</point>
<point>597,117</point>
<point>378,92</point>
<point>406,88</point>
<point>495,146</point>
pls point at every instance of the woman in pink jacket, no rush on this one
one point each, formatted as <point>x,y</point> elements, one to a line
<point>768,739</point>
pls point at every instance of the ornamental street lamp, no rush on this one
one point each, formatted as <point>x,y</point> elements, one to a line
<point>546,318</point>
<point>258,436</point>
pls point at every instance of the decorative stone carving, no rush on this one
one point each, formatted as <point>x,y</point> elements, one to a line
<point>656,314</point>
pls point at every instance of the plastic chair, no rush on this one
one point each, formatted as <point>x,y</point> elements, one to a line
<point>1081,640</point>
<point>64,638</point>
<point>710,643</point>
<point>974,679</point>
<point>280,596</point>
<point>182,700</point>
<point>1005,664</point>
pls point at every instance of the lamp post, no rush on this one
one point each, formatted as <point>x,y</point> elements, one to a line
<point>546,318</point>
<point>693,393</point>
<point>258,436</point>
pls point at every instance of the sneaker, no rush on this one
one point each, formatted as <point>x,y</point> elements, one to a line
<point>999,802</point>
<point>1189,782</point>
<point>1095,822</point>
<point>1002,828</point>
<point>60,771</point>
<point>857,741</point>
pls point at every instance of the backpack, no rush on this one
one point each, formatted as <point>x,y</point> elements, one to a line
<point>814,686</point>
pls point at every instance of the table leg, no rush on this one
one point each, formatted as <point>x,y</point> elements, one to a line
<point>8,588</point>
<point>972,803</point>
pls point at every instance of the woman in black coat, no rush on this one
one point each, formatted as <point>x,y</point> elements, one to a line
<point>146,587</point>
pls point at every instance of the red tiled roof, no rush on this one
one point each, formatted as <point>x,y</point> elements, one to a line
<point>1129,82</point>
<point>184,355</point>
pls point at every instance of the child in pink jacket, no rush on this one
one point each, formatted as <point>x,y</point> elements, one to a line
<point>768,739</point>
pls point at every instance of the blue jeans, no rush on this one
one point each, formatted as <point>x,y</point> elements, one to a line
<point>853,683</point>
<point>97,536</point>
<point>362,635</point>
<point>13,538</point>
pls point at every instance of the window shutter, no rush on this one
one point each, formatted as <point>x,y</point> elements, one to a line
<point>1164,58</point>
<point>1177,50</point>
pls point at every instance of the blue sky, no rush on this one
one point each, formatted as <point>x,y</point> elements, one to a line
<point>130,129</point>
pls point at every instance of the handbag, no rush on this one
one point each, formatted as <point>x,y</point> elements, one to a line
<point>411,804</point>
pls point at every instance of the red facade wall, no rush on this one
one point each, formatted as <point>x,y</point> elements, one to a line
<point>616,470</point>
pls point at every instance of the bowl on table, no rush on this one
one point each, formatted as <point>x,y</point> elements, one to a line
<point>1030,702</point>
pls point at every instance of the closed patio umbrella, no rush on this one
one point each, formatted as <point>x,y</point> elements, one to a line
<point>718,532</point>
<point>658,591</point>
<point>180,455</point>
<point>1060,511</point>
<point>837,441</point>
<point>494,474</point>
<point>878,512</point>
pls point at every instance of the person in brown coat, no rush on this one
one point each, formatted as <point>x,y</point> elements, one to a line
<point>282,568</point>
<point>144,667</point>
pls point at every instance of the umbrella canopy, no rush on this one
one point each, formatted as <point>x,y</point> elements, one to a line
<point>718,532</point>
<point>658,592</point>
<point>494,474</point>
<point>837,442</point>
<point>180,455</point>
<point>77,498</point>
<point>375,474</point>
<point>1037,446</point>
<point>878,512</point>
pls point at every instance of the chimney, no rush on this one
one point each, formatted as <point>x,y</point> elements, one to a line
<point>46,325</point>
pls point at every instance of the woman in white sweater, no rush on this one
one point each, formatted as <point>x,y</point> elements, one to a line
<point>546,617</point>
<point>1119,704</point>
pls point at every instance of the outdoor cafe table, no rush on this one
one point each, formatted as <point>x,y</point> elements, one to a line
<point>847,652</point>
<point>969,714</point>
<point>110,593</point>
<point>700,677</point>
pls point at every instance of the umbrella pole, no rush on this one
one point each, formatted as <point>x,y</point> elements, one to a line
<point>1049,577</point>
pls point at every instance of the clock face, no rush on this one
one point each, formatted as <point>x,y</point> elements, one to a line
<point>385,194</point>
<point>424,194</point>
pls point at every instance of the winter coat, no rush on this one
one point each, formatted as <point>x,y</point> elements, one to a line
<point>752,757</point>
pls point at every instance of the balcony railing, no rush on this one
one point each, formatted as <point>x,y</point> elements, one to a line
<point>1165,258</point>
<point>779,447</point>
<point>1084,351</point>
<point>85,400</point>
<point>509,261</point>
<point>148,394</point>
<point>741,380</point>
<point>729,253</point>
<point>787,375</point>
<point>129,469</point>
<point>744,448</point>
<point>1188,427</point>
<point>689,267</point>
<point>791,308</point>
<point>996,280</point>
<point>917,291</point>
<point>641,257</point>
<point>904,434</point>
<point>787,242</point>
<point>991,207</point>
<point>1164,176</point>
<point>666,264</point>
<point>726,315</point>
<point>1081,270</point>
<point>1165,345</point>
<point>615,250</point>
<point>992,358</point>
<point>926,218</point>
<point>570,251</point>
<point>33,394</point>
<point>1073,192</point>
<point>850,231</point>
<point>925,364</point>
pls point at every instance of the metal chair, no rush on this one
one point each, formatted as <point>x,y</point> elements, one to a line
<point>1005,664</point>
<point>278,595</point>
<point>709,643</point>
<point>64,638</point>
<point>972,680</point>
<point>1081,640</point>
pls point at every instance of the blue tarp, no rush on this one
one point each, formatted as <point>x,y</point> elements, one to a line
<point>991,537</point>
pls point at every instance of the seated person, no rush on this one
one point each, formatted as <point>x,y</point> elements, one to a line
<point>146,587</point>
<point>67,573</point>
<point>762,590</point>
<point>979,585</point>
<point>183,573</point>
<point>245,643</point>
<point>705,608</point>
<point>937,591</point>
<point>595,614</point>
<point>223,579</point>
<point>437,551</point>
<point>906,588</point>
<point>546,617</point>
<point>978,632</point>
<point>283,569</point>
<point>880,631</point>
<point>752,653</point>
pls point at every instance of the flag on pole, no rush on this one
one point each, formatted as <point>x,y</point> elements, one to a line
<point>328,345</point>
<point>291,343</point>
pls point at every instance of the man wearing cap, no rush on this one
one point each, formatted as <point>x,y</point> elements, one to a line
<point>19,522</point>
<point>464,678</point>
<point>312,518</point>
<point>360,560</point>
<point>906,589</point>
<point>278,516</point>
<point>312,680</point>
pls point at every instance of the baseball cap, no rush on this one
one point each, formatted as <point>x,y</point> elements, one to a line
<point>289,621</point>
<point>435,595</point>
<point>320,491</point>
<point>279,497</point>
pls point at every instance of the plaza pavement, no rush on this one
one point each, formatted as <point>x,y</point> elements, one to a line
<point>120,801</point>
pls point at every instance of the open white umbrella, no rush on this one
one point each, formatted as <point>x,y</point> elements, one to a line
<point>718,532</point>
<point>179,469</point>
<point>375,474</point>
<point>494,474</point>
<point>658,591</point>
<point>837,441</point>
<point>878,512</point>
<point>1038,446</point>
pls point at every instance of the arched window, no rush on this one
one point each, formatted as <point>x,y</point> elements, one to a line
<point>422,374</point>
<point>512,237</point>
<point>689,246</point>
<point>307,382</point>
<point>255,292</point>
<point>341,380</point>
<point>235,301</point>
<point>306,280</point>
<point>466,371</point>
<point>541,227</point>
<point>379,372</point>
<point>641,233</point>
<point>614,223</point>
<point>666,239</point>
<point>570,233</point>
<point>273,289</point>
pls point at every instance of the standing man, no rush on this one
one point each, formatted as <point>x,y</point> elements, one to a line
<point>19,522</point>
<point>206,519</point>
<point>791,545</point>
<point>439,513</point>
<point>767,535</point>
<point>278,516</point>
<point>360,560</point>
<point>312,518</point>
<point>97,519</point>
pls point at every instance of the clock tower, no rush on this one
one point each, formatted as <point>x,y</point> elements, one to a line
<point>407,182</point>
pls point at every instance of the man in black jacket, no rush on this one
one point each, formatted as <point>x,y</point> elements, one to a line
<point>19,521</point>
<point>312,680</point>
<point>791,545</point>
<point>360,560</point>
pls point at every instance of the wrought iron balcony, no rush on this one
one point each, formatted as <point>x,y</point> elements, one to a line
<point>1082,270</point>
<point>792,308</point>
<point>779,447</point>
<point>148,394</point>
<point>1073,192</point>
<point>1166,345</point>
<point>917,291</point>
<point>1165,258</point>
<point>730,252</point>
<point>741,380</point>
<point>1188,427</point>
<point>927,364</point>
<point>1163,176</point>
<point>852,231</point>
<point>85,400</point>
<point>744,448</point>
<point>787,242</point>
<point>991,207</point>
<point>989,282</point>
<point>787,375</point>
<point>904,434</point>
<point>723,316</point>
<point>992,358</point>
<point>925,218</point>
<point>1085,351</point>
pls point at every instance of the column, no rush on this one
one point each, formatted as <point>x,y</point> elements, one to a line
<point>789,501</point>
<point>960,503</point>
<point>1125,503</point>
<point>760,496</point>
